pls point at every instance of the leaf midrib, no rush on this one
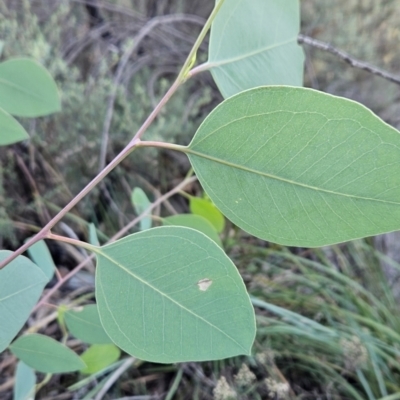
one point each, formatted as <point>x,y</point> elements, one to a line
<point>20,291</point>
<point>84,321</point>
<point>21,89</point>
<point>99,252</point>
<point>216,64</point>
<point>189,151</point>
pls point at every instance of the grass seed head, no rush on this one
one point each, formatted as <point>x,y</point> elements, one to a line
<point>223,391</point>
<point>244,377</point>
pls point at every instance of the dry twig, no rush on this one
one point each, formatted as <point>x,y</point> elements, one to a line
<point>302,39</point>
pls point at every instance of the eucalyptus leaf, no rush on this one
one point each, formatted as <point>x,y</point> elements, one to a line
<point>40,255</point>
<point>25,381</point>
<point>178,297</point>
<point>11,131</point>
<point>84,323</point>
<point>27,89</point>
<point>141,203</point>
<point>45,354</point>
<point>195,222</point>
<point>21,284</point>
<point>99,356</point>
<point>254,43</point>
<point>207,210</point>
<point>299,167</point>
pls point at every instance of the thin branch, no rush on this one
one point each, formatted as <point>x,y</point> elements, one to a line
<point>191,59</point>
<point>137,40</point>
<point>42,211</point>
<point>302,39</point>
<point>163,145</point>
<point>43,233</point>
<point>68,240</point>
<point>118,235</point>
<point>182,77</point>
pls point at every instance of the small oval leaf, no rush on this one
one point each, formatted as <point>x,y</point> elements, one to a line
<point>11,131</point>
<point>21,284</point>
<point>299,167</point>
<point>45,354</point>
<point>27,89</point>
<point>195,222</point>
<point>254,43</point>
<point>159,312</point>
<point>85,325</point>
<point>40,254</point>
<point>207,210</point>
<point>25,381</point>
<point>99,356</point>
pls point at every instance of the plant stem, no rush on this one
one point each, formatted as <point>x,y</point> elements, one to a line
<point>163,145</point>
<point>118,235</point>
<point>200,68</point>
<point>74,242</point>
<point>46,229</point>
<point>183,75</point>
<point>155,112</point>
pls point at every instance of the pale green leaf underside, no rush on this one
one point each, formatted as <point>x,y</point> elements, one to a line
<point>254,43</point>
<point>45,354</point>
<point>21,284</point>
<point>299,167</point>
<point>40,254</point>
<point>11,131</point>
<point>27,89</point>
<point>25,380</point>
<point>156,302</point>
<point>85,325</point>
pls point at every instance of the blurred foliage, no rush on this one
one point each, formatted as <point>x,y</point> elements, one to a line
<point>64,151</point>
<point>366,29</point>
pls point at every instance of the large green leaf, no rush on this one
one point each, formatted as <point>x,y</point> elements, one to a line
<point>254,43</point>
<point>299,167</point>
<point>99,356</point>
<point>27,89</point>
<point>21,284</point>
<point>85,325</point>
<point>11,131</point>
<point>25,380</point>
<point>40,254</point>
<point>45,354</point>
<point>195,222</point>
<point>170,294</point>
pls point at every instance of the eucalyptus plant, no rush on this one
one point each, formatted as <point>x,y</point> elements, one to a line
<point>284,163</point>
